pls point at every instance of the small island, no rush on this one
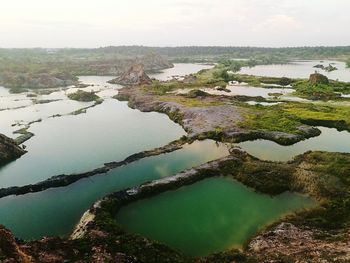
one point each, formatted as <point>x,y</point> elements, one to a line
<point>83,96</point>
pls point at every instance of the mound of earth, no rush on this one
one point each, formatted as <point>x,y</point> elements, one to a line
<point>318,78</point>
<point>134,76</point>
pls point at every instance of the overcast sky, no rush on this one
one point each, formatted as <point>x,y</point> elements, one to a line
<point>95,23</point>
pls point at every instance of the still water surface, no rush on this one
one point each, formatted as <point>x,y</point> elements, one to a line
<point>300,69</point>
<point>210,216</point>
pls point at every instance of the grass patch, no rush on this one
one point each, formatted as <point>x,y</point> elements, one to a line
<point>321,91</point>
<point>270,119</point>
<point>330,116</point>
<point>190,102</point>
<point>287,117</point>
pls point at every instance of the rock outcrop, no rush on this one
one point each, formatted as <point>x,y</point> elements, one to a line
<point>318,78</point>
<point>134,76</point>
<point>9,150</point>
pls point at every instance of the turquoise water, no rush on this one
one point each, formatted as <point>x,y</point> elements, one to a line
<point>69,144</point>
<point>210,216</point>
<point>56,211</point>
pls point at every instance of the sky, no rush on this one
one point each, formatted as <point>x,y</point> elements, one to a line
<point>97,23</point>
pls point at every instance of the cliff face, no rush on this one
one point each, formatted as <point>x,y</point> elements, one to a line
<point>9,150</point>
<point>134,76</point>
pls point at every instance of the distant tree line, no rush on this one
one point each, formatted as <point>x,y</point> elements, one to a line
<point>188,52</point>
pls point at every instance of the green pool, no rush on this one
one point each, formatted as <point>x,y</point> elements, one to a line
<point>209,216</point>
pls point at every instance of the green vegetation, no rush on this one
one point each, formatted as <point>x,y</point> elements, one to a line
<point>83,96</point>
<point>287,117</point>
<point>348,63</point>
<point>318,114</point>
<point>330,184</point>
<point>217,53</point>
<point>191,102</point>
<point>321,91</point>
<point>270,119</point>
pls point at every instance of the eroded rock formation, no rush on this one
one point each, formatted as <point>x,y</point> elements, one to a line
<point>134,76</point>
<point>9,150</point>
